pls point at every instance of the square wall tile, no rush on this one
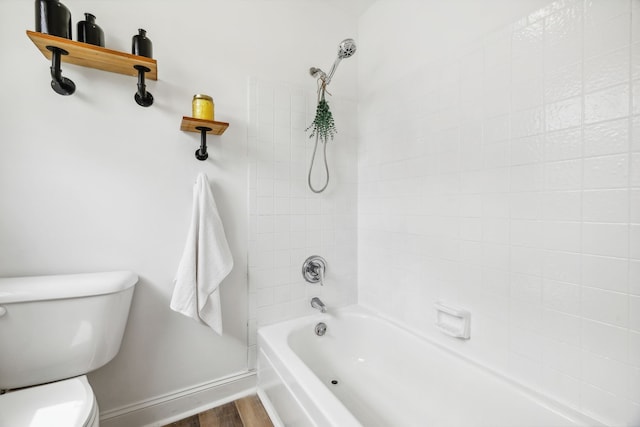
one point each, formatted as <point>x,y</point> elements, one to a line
<point>604,340</point>
<point>565,328</point>
<point>602,35</point>
<point>605,239</point>
<point>527,178</point>
<point>605,306</point>
<point>561,266</point>
<point>564,114</point>
<point>605,273</point>
<point>606,206</point>
<point>562,236</point>
<point>565,175</point>
<point>531,121</point>
<point>563,82</point>
<point>606,172</point>
<point>563,145</point>
<point>563,37</point>
<point>607,104</point>
<point>561,205</point>
<point>609,69</point>
<point>606,138</point>
<point>527,150</point>
<point>562,297</point>
<point>562,357</point>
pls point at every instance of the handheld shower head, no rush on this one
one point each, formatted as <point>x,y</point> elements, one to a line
<point>346,49</point>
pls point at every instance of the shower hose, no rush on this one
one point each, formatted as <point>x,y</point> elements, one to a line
<point>322,88</point>
<point>326,166</point>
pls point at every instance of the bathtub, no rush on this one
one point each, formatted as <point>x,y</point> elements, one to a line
<point>366,371</point>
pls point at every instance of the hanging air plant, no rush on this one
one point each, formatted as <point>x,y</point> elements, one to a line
<point>323,125</point>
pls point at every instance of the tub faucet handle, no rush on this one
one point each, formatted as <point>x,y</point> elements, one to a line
<point>313,269</point>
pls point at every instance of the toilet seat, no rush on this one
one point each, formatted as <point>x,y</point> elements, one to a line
<point>67,403</point>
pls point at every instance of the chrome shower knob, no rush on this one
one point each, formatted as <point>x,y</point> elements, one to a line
<point>313,269</point>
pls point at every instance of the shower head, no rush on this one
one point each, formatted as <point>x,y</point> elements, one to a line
<point>346,49</point>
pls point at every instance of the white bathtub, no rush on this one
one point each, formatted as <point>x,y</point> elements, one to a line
<point>387,377</point>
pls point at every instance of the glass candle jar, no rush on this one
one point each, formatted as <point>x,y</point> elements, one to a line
<point>202,107</point>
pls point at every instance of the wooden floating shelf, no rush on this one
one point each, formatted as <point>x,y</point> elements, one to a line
<point>88,55</point>
<point>190,124</point>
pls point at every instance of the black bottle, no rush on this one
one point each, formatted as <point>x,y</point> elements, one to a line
<point>141,45</point>
<point>89,32</point>
<point>52,17</point>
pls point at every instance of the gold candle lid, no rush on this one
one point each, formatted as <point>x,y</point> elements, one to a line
<point>202,96</point>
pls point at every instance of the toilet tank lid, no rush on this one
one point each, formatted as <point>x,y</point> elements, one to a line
<point>40,288</point>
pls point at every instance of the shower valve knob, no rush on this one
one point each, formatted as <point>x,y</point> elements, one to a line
<point>313,269</point>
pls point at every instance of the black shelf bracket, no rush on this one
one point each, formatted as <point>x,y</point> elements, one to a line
<point>142,97</point>
<point>201,153</point>
<point>59,84</point>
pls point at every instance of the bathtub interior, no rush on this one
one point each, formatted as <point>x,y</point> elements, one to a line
<point>385,376</point>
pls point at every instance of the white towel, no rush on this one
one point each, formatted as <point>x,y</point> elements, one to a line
<point>206,261</point>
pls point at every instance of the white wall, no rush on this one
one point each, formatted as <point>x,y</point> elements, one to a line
<point>501,173</point>
<point>94,182</point>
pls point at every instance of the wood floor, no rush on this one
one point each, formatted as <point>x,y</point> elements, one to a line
<point>245,412</point>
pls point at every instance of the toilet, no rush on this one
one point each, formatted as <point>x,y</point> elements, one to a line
<point>53,331</point>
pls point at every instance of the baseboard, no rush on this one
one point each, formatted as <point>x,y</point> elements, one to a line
<point>175,406</point>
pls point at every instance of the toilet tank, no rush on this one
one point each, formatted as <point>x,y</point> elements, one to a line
<point>57,327</point>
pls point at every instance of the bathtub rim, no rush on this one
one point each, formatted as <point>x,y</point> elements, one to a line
<point>288,361</point>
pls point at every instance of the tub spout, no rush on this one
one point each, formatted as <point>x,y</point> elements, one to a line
<point>316,303</point>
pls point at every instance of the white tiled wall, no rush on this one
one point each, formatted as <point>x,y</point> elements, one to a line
<point>506,179</point>
<point>288,222</point>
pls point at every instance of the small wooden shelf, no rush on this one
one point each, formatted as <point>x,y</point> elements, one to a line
<point>88,55</point>
<point>191,124</point>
